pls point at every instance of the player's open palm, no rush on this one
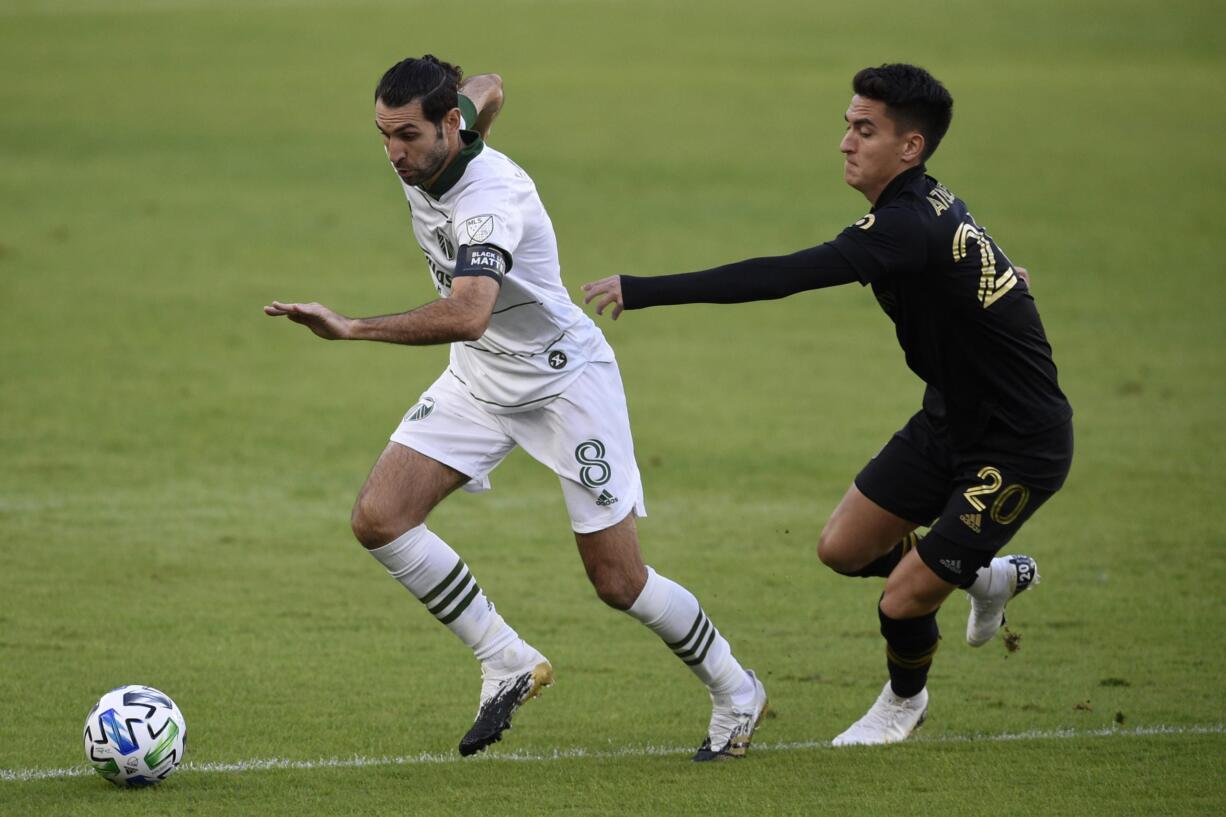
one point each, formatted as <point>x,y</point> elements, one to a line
<point>318,318</point>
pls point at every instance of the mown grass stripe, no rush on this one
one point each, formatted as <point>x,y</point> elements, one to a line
<point>580,753</point>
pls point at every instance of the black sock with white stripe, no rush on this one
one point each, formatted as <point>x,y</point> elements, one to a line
<point>671,612</point>
<point>441,581</point>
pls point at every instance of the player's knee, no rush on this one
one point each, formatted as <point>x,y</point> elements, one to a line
<point>616,588</point>
<point>365,526</point>
<point>833,552</point>
<point>898,604</point>
<point>374,526</point>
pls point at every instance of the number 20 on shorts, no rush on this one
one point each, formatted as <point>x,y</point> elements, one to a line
<point>1013,495</point>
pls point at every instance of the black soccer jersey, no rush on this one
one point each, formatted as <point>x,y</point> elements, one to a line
<point>964,318</point>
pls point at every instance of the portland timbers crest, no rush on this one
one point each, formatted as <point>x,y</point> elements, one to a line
<point>420,411</point>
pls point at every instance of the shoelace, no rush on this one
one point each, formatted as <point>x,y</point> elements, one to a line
<point>725,724</point>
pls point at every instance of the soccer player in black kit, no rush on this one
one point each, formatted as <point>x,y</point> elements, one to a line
<point>993,439</point>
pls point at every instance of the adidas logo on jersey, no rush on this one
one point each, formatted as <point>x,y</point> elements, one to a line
<point>973,521</point>
<point>606,499</point>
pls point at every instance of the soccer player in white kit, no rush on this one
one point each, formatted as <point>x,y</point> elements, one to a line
<point>527,368</point>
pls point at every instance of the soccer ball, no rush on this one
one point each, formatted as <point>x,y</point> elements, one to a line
<point>134,736</point>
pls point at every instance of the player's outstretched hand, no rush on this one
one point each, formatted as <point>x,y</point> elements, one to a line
<point>316,317</point>
<point>608,291</point>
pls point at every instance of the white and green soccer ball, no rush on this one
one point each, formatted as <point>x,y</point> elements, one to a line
<point>134,736</point>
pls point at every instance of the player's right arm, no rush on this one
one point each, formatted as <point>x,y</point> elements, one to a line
<point>485,92</point>
<point>757,279</point>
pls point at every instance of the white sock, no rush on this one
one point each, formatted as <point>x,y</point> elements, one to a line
<point>983,581</point>
<point>439,579</point>
<point>671,612</point>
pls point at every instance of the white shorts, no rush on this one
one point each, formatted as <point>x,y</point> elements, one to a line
<point>583,436</point>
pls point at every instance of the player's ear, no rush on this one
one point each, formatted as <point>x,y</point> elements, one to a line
<point>452,120</point>
<point>913,146</point>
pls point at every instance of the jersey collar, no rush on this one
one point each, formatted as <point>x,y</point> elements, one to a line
<point>897,184</point>
<point>453,172</point>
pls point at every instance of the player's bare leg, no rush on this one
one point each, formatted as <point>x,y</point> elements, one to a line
<point>861,538</point>
<point>614,565</point>
<point>401,490</point>
<point>389,520</point>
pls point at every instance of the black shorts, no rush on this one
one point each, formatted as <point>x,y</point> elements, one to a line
<point>978,495</point>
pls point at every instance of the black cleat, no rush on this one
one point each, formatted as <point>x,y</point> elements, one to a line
<point>500,698</point>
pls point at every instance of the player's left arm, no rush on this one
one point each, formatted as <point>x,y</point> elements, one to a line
<point>756,279</point>
<point>464,315</point>
<point>485,92</point>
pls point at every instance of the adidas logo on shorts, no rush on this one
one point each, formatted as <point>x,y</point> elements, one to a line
<point>954,565</point>
<point>973,521</point>
<point>606,499</point>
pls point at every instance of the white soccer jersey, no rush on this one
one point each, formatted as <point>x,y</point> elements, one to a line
<point>538,339</point>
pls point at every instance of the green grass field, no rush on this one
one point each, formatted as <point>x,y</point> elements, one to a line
<point>178,470</point>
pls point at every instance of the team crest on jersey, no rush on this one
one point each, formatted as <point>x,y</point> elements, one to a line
<point>420,411</point>
<point>479,228</point>
<point>445,243</point>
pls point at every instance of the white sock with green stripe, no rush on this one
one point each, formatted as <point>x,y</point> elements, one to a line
<point>671,612</point>
<point>438,577</point>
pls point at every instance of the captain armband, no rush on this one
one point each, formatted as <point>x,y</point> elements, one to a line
<point>481,259</point>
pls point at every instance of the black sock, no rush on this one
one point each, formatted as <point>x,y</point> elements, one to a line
<point>883,566</point>
<point>910,644</point>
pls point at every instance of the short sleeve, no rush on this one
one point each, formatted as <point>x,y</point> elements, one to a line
<point>490,215</point>
<point>887,242</point>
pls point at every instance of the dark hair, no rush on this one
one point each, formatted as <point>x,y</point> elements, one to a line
<point>915,99</point>
<point>429,79</point>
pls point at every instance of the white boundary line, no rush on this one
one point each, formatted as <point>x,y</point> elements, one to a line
<point>426,758</point>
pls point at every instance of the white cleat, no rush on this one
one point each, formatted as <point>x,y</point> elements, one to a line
<point>732,727</point>
<point>999,582</point>
<point>503,690</point>
<point>889,720</point>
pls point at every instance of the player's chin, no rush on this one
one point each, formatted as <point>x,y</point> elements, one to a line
<point>408,176</point>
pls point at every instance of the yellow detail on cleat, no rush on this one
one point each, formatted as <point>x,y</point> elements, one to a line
<point>739,746</point>
<point>542,676</point>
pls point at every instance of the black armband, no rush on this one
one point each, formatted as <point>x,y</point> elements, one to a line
<point>758,279</point>
<point>482,259</point>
